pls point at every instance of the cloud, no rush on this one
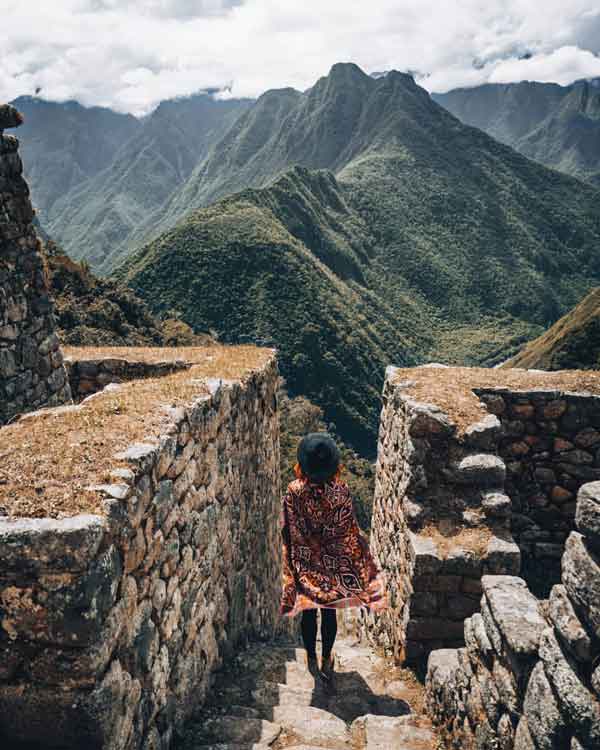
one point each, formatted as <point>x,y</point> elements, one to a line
<point>130,54</point>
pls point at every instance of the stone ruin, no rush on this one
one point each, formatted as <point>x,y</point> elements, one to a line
<point>112,623</point>
<point>490,539</point>
<point>32,373</point>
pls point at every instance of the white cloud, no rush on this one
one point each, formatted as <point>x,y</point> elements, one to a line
<point>130,54</point>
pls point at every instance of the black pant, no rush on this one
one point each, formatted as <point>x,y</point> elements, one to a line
<point>308,627</point>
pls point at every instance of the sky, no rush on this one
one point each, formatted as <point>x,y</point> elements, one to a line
<point>131,54</point>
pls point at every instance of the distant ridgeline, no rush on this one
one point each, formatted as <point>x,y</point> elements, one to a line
<point>558,126</point>
<point>424,239</point>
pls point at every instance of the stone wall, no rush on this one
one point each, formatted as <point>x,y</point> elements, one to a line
<point>31,365</point>
<point>87,376</point>
<point>112,624</point>
<point>529,677</point>
<point>551,447</point>
<point>440,522</point>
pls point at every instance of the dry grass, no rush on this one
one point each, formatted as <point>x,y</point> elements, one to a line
<point>448,534</point>
<point>451,388</point>
<point>144,354</point>
<point>46,462</point>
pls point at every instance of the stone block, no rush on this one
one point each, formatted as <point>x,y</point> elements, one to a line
<point>546,724</point>
<point>515,612</point>
<point>587,515</point>
<point>484,435</point>
<point>480,470</point>
<point>581,578</point>
<point>37,544</point>
<point>568,626</point>
<point>502,557</point>
<point>578,705</point>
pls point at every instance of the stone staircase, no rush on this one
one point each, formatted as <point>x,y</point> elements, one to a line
<point>265,699</point>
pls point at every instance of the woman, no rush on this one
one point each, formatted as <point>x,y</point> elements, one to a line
<point>327,564</point>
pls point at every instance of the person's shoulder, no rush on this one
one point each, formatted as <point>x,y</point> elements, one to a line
<point>296,487</point>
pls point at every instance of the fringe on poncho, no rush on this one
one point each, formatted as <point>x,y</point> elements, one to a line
<point>326,560</point>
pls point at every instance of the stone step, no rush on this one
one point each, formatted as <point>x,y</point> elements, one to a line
<point>313,725</point>
<point>234,730</point>
<point>384,733</point>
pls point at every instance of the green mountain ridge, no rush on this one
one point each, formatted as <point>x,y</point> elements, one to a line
<point>431,241</point>
<point>262,265</point>
<point>64,144</point>
<point>573,342</point>
<point>137,167</point>
<point>559,126</point>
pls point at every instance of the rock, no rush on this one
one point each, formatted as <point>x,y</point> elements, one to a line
<point>312,725</point>
<point>580,707</point>
<point>239,730</point>
<point>34,544</point>
<point>587,516</point>
<point>544,720</point>
<point>424,551</point>
<point>567,624</point>
<point>428,420</point>
<point>484,435</point>
<point>496,504</point>
<point>502,556</point>
<point>523,739</point>
<point>581,577</point>
<point>385,732</point>
<point>515,612</point>
<point>481,470</point>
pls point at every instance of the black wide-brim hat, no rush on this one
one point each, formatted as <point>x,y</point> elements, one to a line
<point>318,456</point>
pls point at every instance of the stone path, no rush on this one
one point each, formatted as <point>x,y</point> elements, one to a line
<point>266,700</point>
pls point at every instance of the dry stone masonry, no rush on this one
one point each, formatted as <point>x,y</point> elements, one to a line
<point>529,676</point>
<point>90,375</point>
<point>551,447</point>
<point>32,373</point>
<point>440,522</point>
<point>112,624</point>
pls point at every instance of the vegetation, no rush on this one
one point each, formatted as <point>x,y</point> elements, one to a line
<point>573,342</point>
<point>431,242</point>
<point>558,126</point>
<point>97,312</point>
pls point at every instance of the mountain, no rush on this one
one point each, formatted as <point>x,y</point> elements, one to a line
<point>64,144</point>
<point>96,221</point>
<point>97,312</point>
<point>573,342</point>
<point>425,240</point>
<point>558,126</point>
<point>95,175</point>
<point>283,265</point>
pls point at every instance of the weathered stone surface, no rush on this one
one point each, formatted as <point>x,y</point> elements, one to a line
<point>515,611</point>
<point>570,630</point>
<point>544,720</point>
<point>587,516</point>
<point>227,729</point>
<point>313,725</point>
<point>580,707</point>
<point>384,732</point>
<point>496,504</point>
<point>581,577</point>
<point>484,434</point>
<point>481,470</point>
<point>502,557</point>
<point>41,543</point>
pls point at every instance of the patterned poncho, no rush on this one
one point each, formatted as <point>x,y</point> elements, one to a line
<point>326,560</point>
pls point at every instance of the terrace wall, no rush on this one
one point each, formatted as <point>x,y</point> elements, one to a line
<point>112,624</point>
<point>529,677</point>
<point>440,522</point>
<point>551,447</point>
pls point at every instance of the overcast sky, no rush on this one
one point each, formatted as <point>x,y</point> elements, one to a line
<point>130,54</point>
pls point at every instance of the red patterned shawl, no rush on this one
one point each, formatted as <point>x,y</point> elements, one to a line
<point>326,560</point>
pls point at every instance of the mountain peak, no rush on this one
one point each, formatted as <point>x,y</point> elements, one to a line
<point>347,72</point>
